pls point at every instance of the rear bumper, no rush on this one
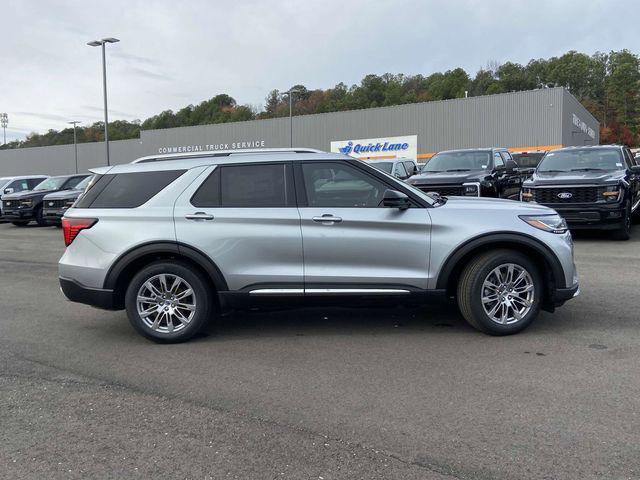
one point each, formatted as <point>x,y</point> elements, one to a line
<point>96,297</point>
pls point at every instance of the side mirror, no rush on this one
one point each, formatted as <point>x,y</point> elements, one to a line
<point>511,166</point>
<point>395,199</point>
<point>635,169</point>
<point>8,190</point>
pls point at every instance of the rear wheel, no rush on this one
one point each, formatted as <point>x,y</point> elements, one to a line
<point>20,223</point>
<point>168,302</point>
<point>499,292</point>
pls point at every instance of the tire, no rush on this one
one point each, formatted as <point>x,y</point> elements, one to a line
<point>471,288</point>
<point>624,232</point>
<point>169,328</point>
<point>40,220</point>
<point>20,223</point>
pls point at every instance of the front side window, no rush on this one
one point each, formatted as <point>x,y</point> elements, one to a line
<point>458,162</point>
<point>497,161</point>
<point>341,185</point>
<point>410,167</point>
<point>400,170</point>
<point>582,159</point>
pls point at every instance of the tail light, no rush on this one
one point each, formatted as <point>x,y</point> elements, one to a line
<point>71,227</point>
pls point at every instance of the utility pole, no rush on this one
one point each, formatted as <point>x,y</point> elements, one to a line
<point>102,43</point>
<point>75,142</point>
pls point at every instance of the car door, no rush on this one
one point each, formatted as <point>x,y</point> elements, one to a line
<point>350,240</point>
<point>244,218</point>
<point>513,178</point>
<point>634,180</point>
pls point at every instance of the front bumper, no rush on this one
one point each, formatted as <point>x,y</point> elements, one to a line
<point>96,297</point>
<point>12,214</point>
<point>53,215</point>
<point>590,216</point>
<point>561,295</point>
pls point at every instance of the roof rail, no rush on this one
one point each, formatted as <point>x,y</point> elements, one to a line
<point>221,153</point>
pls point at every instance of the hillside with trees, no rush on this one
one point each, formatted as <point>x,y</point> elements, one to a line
<point>608,85</point>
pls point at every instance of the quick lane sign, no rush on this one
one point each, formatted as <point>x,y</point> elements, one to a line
<point>385,147</point>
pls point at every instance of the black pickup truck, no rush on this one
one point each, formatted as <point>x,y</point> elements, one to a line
<point>23,207</point>
<point>591,187</point>
<point>478,172</point>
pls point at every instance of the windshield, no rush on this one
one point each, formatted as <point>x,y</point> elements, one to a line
<point>83,184</point>
<point>581,159</point>
<point>384,166</point>
<point>457,161</point>
<point>53,183</point>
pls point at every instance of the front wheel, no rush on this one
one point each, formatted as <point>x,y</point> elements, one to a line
<point>624,232</point>
<point>168,302</point>
<point>500,292</point>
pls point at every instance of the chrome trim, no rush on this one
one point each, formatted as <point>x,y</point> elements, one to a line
<point>572,186</point>
<point>277,291</point>
<point>330,291</point>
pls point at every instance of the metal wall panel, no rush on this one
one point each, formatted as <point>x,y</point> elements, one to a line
<point>520,119</point>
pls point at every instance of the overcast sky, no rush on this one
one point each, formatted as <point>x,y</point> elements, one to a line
<point>173,53</point>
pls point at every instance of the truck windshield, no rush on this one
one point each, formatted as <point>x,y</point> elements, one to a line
<point>582,159</point>
<point>452,161</point>
<point>53,183</point>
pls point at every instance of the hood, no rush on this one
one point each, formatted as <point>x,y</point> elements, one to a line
<point>445,178</point>
<point>25,194</point>
<point>574,178</point>
<point>484,203</point>
<point>63,195</point>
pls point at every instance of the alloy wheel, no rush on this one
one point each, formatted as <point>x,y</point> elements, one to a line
<point>166,303</point>
<point>507,293</point>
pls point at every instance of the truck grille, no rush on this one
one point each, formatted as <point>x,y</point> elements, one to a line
<point>563,195</point>
<point>444,190</point>
<point>54,203</point>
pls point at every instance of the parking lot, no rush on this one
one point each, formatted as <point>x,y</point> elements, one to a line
<point>315,393</point>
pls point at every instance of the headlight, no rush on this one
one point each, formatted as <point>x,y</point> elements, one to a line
<point>26,203</point>
<point>548,223</point>
<point>612,193</point>
<point>471,189</point>
<point>526,195</point>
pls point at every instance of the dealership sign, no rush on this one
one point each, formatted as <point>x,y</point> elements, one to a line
<point>210,147</point>
<point>386,147</point>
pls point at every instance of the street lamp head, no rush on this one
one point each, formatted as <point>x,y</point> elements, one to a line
<point>110,40</point>
<point>94,43</point>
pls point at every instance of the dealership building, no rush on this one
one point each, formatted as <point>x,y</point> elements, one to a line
<point>521,121</point>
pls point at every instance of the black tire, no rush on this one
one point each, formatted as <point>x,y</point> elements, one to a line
<point>40,220</point>
<point>470,290</point>
<point>201,291</point>
<point>624,232</point>
<point>20,223</point>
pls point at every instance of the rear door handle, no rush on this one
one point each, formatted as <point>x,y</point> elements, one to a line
<point>327,218</point>
<point>198,216</point>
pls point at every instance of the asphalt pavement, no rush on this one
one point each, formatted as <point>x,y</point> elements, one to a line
<point>406,393</point>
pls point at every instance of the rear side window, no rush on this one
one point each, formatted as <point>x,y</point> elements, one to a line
<point>126,190</point>
<point>208,194</point>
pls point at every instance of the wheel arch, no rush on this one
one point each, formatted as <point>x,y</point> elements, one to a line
<point>553,273</point>
<point>130,262</point>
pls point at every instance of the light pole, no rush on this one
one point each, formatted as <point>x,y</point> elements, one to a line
<point>290,92</point>
<point>4,121</point>
<point>102,43</point>
<point>75,142</point>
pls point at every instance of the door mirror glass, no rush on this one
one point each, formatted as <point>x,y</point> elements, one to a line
<point>512,166</point>
<point>395,199</point>
<point>635,169</point>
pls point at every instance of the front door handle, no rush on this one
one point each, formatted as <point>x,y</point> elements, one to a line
<point>327,219</point>
<point>198,216</point>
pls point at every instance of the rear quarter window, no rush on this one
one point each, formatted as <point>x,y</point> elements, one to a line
<point>126,190</point>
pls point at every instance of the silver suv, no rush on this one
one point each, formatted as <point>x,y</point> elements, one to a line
<point>176,240</point>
